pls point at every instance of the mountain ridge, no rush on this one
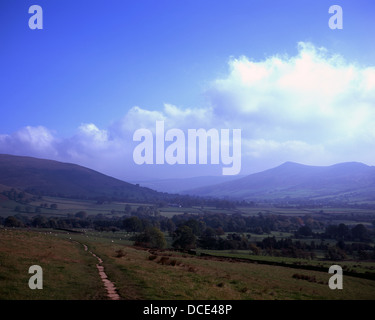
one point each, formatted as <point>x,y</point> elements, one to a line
<point>55,178</point>
<point>296,180</point>
<point>290,180</point>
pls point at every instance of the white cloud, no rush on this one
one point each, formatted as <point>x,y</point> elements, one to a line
<point>173,116</point>
<point>265,154</point>
<point>30,140</point>
<point>313,108</point>
<point>137,118</point>
<point>91,131</point>
<point>314,97</point>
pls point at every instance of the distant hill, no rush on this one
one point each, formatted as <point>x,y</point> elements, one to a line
<point>48,177</point>
<point>343,181</point>
<point>351,181</point>
<point>178,185</point>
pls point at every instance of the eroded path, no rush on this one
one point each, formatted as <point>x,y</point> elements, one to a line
<point>110,287</point>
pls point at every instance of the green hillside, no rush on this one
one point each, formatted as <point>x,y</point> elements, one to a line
<point>53,178</point>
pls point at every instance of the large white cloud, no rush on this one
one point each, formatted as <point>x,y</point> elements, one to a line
<point>313,108</point>
<point>298,97</point>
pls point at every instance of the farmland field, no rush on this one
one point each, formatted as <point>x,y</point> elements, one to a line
<point>69,272</point>
<point>52,232</point>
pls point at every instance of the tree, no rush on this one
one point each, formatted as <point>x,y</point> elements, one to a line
<point>254,249</point>
<point>132,224</point>
<point>341,244</point>
<point>81,215</point>
<point>151,238</point>
<point>304,231</point>
<point>219,231</point>
<point>195,226</point>
<point>40,221</point>
<point>12,222</point>
<point>343,231</point>
<point>258,230</point>
<point>335,253</point>
<point>360,232</point>
<point>184,238</point>
<point>332,231</point>
<point>167,225</point>
<point>208,239</point>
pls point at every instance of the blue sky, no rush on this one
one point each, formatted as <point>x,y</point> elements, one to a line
<point>68,90</point>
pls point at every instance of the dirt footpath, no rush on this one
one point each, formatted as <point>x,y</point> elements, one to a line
<point>110,287</point>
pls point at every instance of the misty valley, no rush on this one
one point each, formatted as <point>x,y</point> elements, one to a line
<point>182,246</point>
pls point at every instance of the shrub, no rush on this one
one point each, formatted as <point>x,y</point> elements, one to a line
<point>120,253</point>
<point>163,260</point>
<point>173,262</point>
<point>304,277</point>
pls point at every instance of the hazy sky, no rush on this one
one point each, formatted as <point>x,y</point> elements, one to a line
<point>99,70</point>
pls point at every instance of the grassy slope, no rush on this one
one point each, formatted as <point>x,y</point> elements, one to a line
<point>50,177</point>
<point>70,273</point>
<point>198,279</point>
<point>137,277</point>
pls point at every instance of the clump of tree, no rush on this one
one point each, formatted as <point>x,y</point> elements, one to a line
<point>342,232</point>
<point>184,238</point>
<point>13,222</point>
<point>335,253</point>
<point>133,224</point>
<point>19,196</point>
<point>304,231</point>
<point>208,239</point>
<point>151,238</point>
<point>147,211</point>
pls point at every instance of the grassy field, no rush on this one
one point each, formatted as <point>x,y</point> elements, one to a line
<point>351,266</point>
<point>71,206</point>
<point>91,207</point>
<point>70,272</point>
